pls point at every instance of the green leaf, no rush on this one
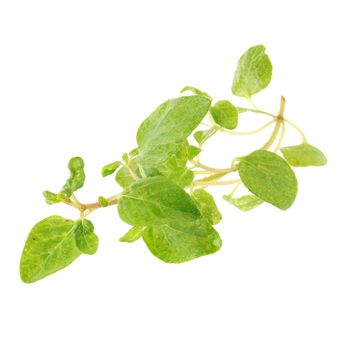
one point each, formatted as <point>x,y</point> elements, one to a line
<point>181,241</point>
<point>50,247</point>
<point>85,237</point>
<point>133,234</point>
<point>207,206</point>
<point>155,200</point>
<point>173,121</point>
<point>177,172</point>
<point>244,203</point>
<point>77,176</point>
<point>123,177</point>
<point>304,155</point>
<point>53,198</point>
<point>253,72</point>
<point>109,169</point>
<point>103,201</point>
<point>225,114</point>
<point>195,91</point>
<point>193,152</point>
<point>203,135</point>
<point>269,177</point>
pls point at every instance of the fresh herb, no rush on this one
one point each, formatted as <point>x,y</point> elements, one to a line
<point>163,196</point>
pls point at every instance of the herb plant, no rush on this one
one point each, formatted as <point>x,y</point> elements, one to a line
<point>163,182</point>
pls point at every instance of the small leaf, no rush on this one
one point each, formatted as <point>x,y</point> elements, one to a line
<point>50,247</point>
<point>123,177</point>
<point>207,206</point>
<point>103,201</point>
<point>133,153</point>
<point>244,203</point>
<point>193,152</point>
<point>253,72</point>
<point>180,241</point>
<point>85,237</point>
<point>195,91</point>
<point>109,169</point>
<point>77,176</point>
<point>53,198</point>
<point>225,114</point>
<point>133,234</point>
<point>204,135</point>
<point>304,155</point>
<point>269,177</point>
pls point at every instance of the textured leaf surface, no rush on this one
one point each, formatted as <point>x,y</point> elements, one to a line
<point>173,121</point>
<point>155,200</point>
<point>244,203</point>
<point>304,155</point>
<point>50,247</point>
<point>207,206</point>
<point>77,176</point>
<point>269,177</point>
<point>225,114</point>
<point>85,237</point>
<point>179,241</point>
<point>253,72</point>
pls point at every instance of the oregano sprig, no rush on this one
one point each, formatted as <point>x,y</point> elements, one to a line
<point>163,195</point>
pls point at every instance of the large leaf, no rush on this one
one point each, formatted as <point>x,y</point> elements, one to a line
<point>85,237</point>
<point>304,155</point>
<point>225,114</point>
<point>207,206</point>
<point>179,241</point>
<point>50,247</point>
<point>269,177</point>
<point>253,72</point>
<point>155,200</point>
<point>173,121</point>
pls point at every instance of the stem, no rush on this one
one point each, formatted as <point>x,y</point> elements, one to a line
<point>212,170</point>
<point>252,102</point>
<point>244,133</point>
<point>278,146</point>
<point>259,111</point>
<point>279,121</point>
<point>296,127</point>
<point>215,183</point>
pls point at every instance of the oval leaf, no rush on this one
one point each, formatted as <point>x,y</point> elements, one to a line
<point>244,203</point>
<point>269,177</point>
<point>155,199</point>
<point>50,247</point>
<point>180,241</point>
<point>304,155</point>
<point>85,237</point>
<point>225,114</point>
<point>173,121</point>
<point>253,72</point>
<point>109,169</point>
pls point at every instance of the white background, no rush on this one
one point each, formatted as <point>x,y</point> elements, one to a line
<point>77,78</point>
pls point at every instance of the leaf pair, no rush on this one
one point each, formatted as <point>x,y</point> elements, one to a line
<point>175,227</point>
<point>54,243</point>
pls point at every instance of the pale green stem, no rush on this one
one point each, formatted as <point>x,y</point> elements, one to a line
<point>280,140</point>
<point>212,170</point>
<point>296,127</point>
<point>244,133</point>
<point>215,183</point>
<point>235,188</point>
